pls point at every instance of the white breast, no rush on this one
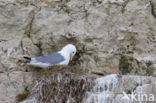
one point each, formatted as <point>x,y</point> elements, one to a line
<point>66,57</point>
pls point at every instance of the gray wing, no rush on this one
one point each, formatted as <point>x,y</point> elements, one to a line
<point>53,58</point>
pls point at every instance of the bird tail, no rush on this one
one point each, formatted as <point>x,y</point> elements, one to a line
<point>27,59</point>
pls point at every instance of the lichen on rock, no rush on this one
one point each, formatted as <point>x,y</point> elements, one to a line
<point>127,64</point>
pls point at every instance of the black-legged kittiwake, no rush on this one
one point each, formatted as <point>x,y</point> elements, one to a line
<point>58,58</point>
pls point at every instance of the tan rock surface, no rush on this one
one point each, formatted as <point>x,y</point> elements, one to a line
<point>103,30</point>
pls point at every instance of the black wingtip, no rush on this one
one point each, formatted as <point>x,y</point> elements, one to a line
<point>27,59</point>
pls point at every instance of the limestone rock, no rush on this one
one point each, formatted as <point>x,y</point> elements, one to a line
<point>103,30</point>
<point>122,89</point>
<point>14,83</point>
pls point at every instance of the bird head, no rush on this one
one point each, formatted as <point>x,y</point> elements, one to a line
<point>70,49</point>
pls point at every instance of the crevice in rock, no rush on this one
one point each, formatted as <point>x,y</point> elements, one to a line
<point>28,32</point>
<point>28,28</point>
<point>40,48</point>
<point>3,66</point>
<point>99,1</point>
<point>124,6</point>
<point>1,40</point>
<point>21,45</point>
<point>77,60</point>
<point>152,10</point>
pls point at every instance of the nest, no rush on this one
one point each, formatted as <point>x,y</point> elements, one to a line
<point>60,85</point>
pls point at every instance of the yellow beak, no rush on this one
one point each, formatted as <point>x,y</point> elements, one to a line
<point>71,57</point>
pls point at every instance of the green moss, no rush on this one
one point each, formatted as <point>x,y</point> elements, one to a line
<point>98,73</point>
<point>132,89</point>
<point>99,1</point>
<point>125,65</point>
<point>88,39</point>
<point>149,63</point>
<point>129,92</point>
<point>136,86</point>
<point>54,83</point>
<point>22,96</point>
<point>150,70</point>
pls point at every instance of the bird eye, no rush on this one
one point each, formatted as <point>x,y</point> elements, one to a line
<point>73,52</point>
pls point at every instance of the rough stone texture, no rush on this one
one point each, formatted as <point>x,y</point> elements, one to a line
<point>119,89</point>
<point>68,85</point>
<point>104,31</point>
<point>12,84</point>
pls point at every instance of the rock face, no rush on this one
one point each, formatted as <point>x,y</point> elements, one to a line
<point>62,87</point>
<point>122,89</point>
<point>14,83</point>
<point>112,36</point>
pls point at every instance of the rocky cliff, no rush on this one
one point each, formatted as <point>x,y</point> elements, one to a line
<point>112,37</point>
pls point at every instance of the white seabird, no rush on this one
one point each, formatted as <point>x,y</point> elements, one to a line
<point>57,58</point>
